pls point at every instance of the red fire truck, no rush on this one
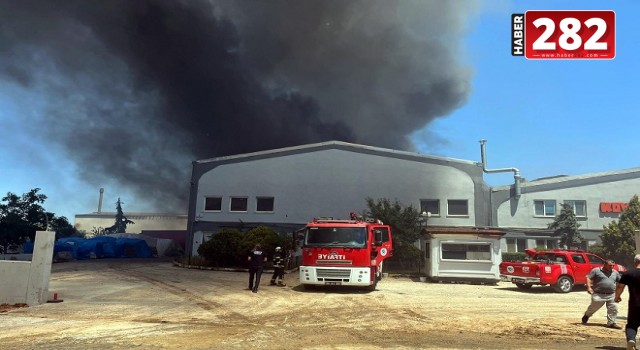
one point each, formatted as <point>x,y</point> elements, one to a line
<point>344,252</point>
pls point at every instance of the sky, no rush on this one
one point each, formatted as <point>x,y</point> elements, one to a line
<point>125,95</point>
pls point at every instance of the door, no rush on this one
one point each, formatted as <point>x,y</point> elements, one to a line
<point>382,244</point>
<point>581,267</point>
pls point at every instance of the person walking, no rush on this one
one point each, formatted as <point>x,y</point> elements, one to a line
<point>631,278</point>
<point>601,284</point>
<point>256,259</point>
<point>278,268</point>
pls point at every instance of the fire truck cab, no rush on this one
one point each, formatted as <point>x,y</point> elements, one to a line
<point>344,252</point>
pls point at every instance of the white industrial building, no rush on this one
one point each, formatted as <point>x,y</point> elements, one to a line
<point>285,188</point>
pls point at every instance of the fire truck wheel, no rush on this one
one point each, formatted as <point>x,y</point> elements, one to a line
<point>564,284</point>
<point>524,285</point>
<point>373,286</point>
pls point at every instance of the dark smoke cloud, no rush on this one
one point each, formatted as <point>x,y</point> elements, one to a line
<point>136,90</point>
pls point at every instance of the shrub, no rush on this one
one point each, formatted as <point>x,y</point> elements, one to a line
<point>514,256</point>
<point>221,249</point>
<point>230,247</point>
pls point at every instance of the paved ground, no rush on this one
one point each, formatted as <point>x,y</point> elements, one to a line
<point>152,304</point>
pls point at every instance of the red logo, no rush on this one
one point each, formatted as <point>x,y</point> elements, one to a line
<point>564,34</point>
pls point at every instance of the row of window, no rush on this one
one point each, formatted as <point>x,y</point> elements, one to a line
<point>455,207</point>
<point>239,204</point>
<point>547,208</point>
<point>520,244</point>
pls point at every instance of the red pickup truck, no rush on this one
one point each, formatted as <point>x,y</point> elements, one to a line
<point>562,269</point>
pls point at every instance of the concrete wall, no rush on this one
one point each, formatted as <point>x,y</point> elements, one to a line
<point>28,281</point>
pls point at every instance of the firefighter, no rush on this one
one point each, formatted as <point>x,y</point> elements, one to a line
<point>278,268</point>
<point>256,259</point>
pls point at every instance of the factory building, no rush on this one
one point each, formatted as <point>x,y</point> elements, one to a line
<point>285,188</point>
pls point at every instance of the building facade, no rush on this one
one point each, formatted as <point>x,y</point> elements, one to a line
<point>286,188</point>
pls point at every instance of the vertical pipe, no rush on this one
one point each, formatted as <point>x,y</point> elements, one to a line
<point>100,200</point>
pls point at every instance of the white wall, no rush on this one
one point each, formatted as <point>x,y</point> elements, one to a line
<point>332,182</point>
<point>28,282</point>
<point>593,194</point>
<point>438,268</point>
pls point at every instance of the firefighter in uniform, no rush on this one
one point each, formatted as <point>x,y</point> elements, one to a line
<point>278,268</point>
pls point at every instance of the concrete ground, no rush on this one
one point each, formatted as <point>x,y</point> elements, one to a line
<point>152,304</point>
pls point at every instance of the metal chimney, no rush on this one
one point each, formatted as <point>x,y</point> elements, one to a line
<point>516,172</point>
<point>100,200</point>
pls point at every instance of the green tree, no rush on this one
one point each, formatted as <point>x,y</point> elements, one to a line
<point>266,237</point>
<point>566,227</point>
<point>405,227</point>
<point>62,227</point>
<point>222,249</point>
<point>121,223</point>
<point>618,238</point>
<point>22,216</point>
<point>230,247</point>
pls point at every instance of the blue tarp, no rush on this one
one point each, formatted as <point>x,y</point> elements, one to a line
<point>99,247</point>
<point>27,247</point>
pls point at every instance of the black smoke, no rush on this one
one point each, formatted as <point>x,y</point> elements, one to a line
<point>136,90</point>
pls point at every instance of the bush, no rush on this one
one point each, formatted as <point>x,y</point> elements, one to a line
<point>230,248</point>
<point>514,256</point>
<point>221,249</point>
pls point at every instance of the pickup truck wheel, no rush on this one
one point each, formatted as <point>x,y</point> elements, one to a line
<point>564,284</point>
<point>524,285</point>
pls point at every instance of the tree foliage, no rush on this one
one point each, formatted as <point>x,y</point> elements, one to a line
<point>230,247</point>
<point>618,238</point>
<point>120,226</point>
<point>21,216</point>
<point>566,226</point>
<point>222,249</point>
<point>405,226</point>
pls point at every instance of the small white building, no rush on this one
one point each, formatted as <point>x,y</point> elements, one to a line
<point>463,254</point>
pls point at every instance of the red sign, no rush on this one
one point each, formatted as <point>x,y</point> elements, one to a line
<point>613,207</point>
<point>564,34</point>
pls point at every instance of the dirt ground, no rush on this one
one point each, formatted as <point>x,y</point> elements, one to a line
<point>152,304</point>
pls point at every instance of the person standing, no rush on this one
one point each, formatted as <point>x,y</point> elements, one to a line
<point>278,268</point>
<point>631,278</point>
<point>601,284</point>
<point>256,259</point>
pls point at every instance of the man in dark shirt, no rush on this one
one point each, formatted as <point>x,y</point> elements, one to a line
<point>631,278</point>
<point>256,259</point>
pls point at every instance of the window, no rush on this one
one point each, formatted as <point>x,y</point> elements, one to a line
<point>579,207</point>
<point>515,245</point>
<point>430,206</point>
<point>546,243</point>
<point>464,251</point>
<point>336,236</point>
<point>238,204</point>
<point>594,259</point>
<point>264,204</point>
<point>212,203</point>
<point>577,258</point>
<point>545,208</point>
<point>457,207</point>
